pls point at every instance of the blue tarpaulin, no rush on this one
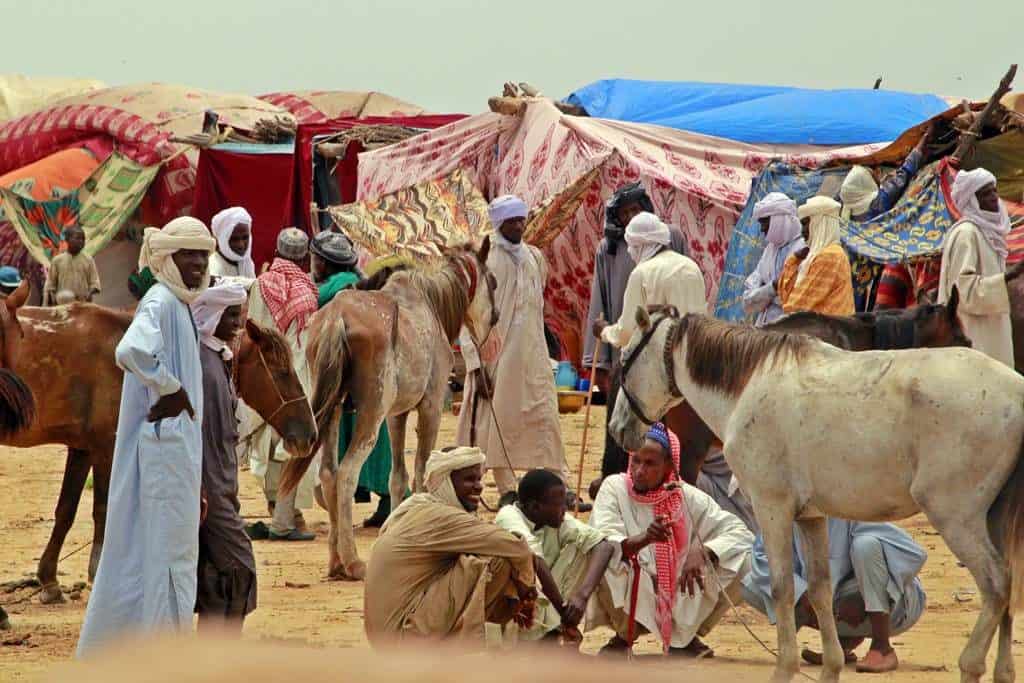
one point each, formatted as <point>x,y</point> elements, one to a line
<point>761,114</point>
<point>914,227</point>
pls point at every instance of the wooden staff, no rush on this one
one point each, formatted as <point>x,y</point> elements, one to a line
<point>586,422</point>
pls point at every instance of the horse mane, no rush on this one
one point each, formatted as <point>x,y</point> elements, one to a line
<point>724,356</point>
<point>381,277</point>
<point>443,288</point>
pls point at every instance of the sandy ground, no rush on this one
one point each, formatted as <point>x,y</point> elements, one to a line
<point>298,606</point>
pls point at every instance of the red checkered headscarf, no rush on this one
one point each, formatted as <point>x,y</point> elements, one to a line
<point>668,504</point>
<point>289,293</point>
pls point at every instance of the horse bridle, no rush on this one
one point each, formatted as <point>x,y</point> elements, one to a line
<point>284,403</point>
<point>675,327</point>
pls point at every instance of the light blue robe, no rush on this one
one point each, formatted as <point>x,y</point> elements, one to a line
<point>146,579</point>
<point>903,557</point>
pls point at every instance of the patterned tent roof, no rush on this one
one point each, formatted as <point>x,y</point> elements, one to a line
<point>317,106</point>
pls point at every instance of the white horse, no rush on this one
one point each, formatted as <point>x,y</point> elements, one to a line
<point>811,430</point>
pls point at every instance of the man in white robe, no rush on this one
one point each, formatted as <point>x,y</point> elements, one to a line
<point>232,228</point>
<point>781,227</point>
<point>146,579</point>
<point>974,261</point>
<point>283,298</point>
<point>661,277</point>
<point>519,375</point>
<point>571,556</point>
<point>687,548</point>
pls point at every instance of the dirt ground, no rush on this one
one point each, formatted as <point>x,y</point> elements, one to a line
<point>298,606</point>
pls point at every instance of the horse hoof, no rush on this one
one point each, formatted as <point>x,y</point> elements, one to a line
<point>356,571</point>
<point>51,595</point>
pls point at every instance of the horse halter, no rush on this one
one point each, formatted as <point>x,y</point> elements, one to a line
<point>284,403</point>
<point>675,327</point>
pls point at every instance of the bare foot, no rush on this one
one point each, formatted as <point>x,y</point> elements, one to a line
<point>874,662</point>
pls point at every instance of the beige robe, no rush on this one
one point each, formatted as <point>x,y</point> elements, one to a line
<point>257,440</point>
<point>970,263</point>
<point>76,274</point>
<point>617,516</point>
<point>525,400</point>
<point>566,550</point>
<point>665,279</point>
<point>436,571</point>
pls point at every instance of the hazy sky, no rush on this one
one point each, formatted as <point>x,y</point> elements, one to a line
<point>450,55</point>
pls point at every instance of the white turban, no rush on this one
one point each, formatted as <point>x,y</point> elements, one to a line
<point>994,225</point>
<point>783,226</point>
<point>209,307</point>
<point>645,236</point>
<point>823,231</point>
<point>858,191</point>
<point>158,245</point>
<point>500,210</point>
<point>222,226</point>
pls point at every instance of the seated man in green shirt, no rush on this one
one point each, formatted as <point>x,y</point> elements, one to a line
<point>335,268</point>
<point>570,557</point>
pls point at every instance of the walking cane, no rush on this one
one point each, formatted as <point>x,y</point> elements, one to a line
<point>586,420</point>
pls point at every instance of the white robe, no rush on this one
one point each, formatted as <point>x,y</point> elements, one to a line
<point>667,278</point>
<point>221,267</point>
<point>617,516</point>
<point>146,579</point>
<point>970,263</point>
<point>258,441</point>
<point>525,401</point>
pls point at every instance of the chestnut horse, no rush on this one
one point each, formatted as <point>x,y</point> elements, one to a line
<point>927,325</point>
<point>66,357</point>
<point>391,351</point>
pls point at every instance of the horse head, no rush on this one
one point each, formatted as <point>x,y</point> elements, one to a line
<point>646,391</point>
<point>481,313</point>
<point>17,404</point>
<point>266,380</point>
<point>938,325</point>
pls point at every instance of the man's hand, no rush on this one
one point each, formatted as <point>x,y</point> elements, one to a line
<point>803,609</point>
<point>802,253</point>
<point>599,326</point>
<point>923,142</point>
<point>692,577</point>
<point>523,618</point>
<point>658,531</point>
<point>483,384</point>
<point>573,611</point>
<point>851,612</point>
<point>1014,271</point>
<point>171,405</point>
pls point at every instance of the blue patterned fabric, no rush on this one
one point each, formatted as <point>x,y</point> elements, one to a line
<point>914,227</point>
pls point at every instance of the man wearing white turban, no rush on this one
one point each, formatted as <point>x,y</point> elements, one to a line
<point>661,277</point>
<point>438,571</point>
<point>226,590</point>
<point>781,227</point>
<point>974,261</point>
<point>146,579</point>
<point>817,277</point>
<point>510,369</point>
<point>232,228</point>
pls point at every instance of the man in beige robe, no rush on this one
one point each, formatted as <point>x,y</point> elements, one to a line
<point>974,261</point>
<point>438,571</point>
<point>519,378</point>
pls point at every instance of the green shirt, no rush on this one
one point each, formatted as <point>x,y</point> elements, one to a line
<point>334,284</point>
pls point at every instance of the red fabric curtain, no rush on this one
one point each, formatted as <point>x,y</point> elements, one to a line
<point>347,171</point>
<point>259,182</point>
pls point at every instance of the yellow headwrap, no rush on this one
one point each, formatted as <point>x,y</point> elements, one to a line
<point>158,245</point>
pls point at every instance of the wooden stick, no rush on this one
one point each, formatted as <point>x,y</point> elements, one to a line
<point>970,136</point>
<point>586,423</point>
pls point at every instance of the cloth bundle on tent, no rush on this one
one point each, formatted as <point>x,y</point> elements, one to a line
<point>320,106</point>
<point>100,205</point>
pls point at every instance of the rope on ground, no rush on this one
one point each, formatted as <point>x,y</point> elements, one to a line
<point>39,590</point>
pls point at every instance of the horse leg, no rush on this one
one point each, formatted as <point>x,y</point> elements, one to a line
<point>399,481</point>
<point>364,438</point>
<point>76,471</point>
<point>102,463</point>
<point>777,530</point>
<point>328,484</point>
<point>968,538</point>
<point>428,421</point>
<point>1004,672</point>
<point>819,592</point>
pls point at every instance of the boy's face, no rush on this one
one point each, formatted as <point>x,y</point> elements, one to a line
<point>76,240</point>
<point>229,325</point>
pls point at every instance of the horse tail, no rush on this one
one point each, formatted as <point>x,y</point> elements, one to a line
<point>17,404</point>
<point>1006,528</point>
<point>328,371</point>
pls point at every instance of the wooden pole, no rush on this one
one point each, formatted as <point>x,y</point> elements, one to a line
<point>969,137</point>
<point>586,423</point>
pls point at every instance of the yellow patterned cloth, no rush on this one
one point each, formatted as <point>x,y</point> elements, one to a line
<point>825,288</point>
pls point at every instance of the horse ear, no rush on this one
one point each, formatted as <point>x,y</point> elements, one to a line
<point>254,331</point>
<point>643,318</point>
<point>952,304</point>
<point>18,297</point>
<point>485,249</point>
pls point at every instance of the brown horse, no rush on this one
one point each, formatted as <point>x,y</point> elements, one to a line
<point>928,325</point>
<point>66,357</point>
<point>391,352</point>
